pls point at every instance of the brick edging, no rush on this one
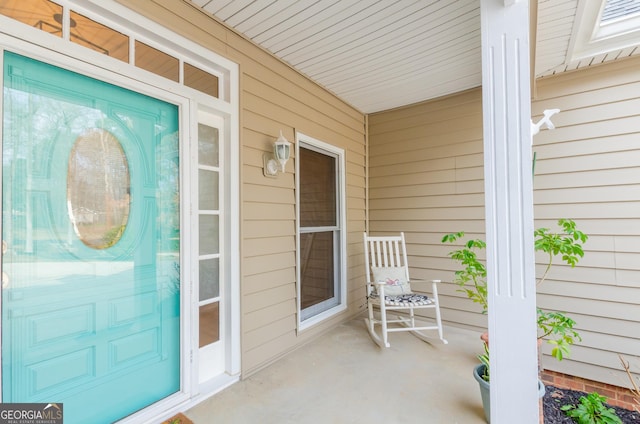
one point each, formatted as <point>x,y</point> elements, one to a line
<point>616,395</point>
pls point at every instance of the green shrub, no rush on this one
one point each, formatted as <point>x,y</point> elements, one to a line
<point>592,410</point>
<point>565,243</point>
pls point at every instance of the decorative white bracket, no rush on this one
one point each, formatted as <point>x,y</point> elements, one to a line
<point>545,120</point>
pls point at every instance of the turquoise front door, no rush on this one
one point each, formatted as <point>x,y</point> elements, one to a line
<point>90,240</point>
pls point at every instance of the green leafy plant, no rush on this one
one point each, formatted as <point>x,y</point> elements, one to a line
<point>567,243</point>
<point>472,277</point>
<point>484,359</point>
<point>559,328</point>
<point>592,410</point>
<point>473,271</point>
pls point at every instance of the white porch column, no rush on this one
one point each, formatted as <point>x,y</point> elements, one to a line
<point>509,210</point>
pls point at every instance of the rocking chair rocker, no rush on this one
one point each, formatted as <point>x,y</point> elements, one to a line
<point>389,290</point>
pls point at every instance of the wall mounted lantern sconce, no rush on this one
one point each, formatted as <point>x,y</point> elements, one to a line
<point>276,162</point>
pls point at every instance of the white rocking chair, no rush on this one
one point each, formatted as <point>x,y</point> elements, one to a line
<point>389,289</point>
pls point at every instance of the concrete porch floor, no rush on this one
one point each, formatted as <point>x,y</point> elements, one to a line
<point>343,377</point>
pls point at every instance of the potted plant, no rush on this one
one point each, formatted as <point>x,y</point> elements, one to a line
<point>555,326</point>
<point>482,375</point>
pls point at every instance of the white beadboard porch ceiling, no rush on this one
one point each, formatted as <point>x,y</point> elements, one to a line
<point>373,54</point>
<point>382,54</point>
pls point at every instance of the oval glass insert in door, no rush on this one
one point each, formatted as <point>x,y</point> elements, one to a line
<point>98,188</point>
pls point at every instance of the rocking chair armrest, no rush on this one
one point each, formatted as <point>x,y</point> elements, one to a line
<point>380,284</point>
<point>414,280</point>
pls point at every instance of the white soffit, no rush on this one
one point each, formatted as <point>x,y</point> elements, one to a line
<point>374,54</point>
<point>555,25</point>
<point>570,35</point>
<point>382,54</point>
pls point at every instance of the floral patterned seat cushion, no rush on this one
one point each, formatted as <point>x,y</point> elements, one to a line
<point>411,299</point>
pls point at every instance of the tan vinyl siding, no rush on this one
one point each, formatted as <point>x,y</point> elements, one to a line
<point>588,169</point>
<point>274,97</point>
<point>426,179</point>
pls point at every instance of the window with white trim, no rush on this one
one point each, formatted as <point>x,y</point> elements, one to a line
<point>321,234</point>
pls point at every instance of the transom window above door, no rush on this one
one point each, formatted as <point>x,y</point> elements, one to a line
<point>70,24</point>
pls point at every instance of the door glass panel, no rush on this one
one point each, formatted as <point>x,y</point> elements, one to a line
<point>211,352</point>
<point>209,243</point>
<point>98,37</point>
<point>97,329</point>
<point>209,328</point>
<point>208,145</point>
<point>160,63</point>
<point>42,14</point>
<point>208,190</point>
<point>98,189</point>
<point>200,80</point>
<point>47,16</point>
<point>209,281</point>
